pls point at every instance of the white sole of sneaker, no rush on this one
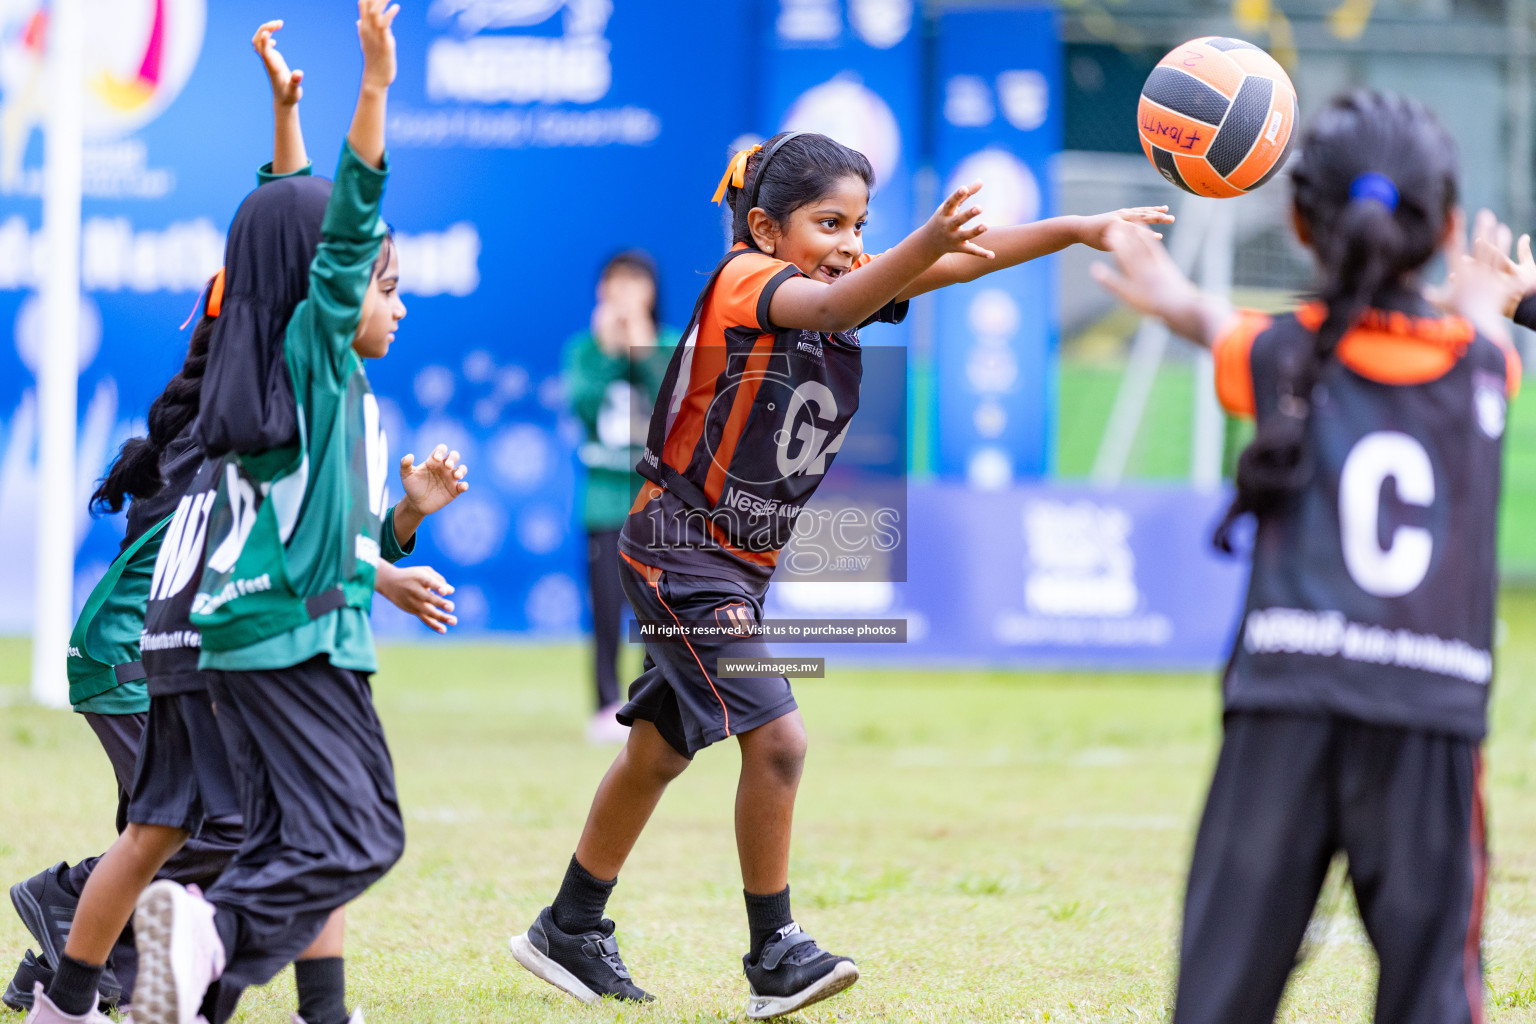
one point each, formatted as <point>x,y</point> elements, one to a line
<point>830,984</point>
<point>162,995</point>
<point>542,967</point>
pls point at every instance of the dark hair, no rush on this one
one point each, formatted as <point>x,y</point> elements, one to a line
<point>136,470</point>
<point>801,171</point>
<point>386,250</point>
<point>1365,245</point>
<point>636,261</point>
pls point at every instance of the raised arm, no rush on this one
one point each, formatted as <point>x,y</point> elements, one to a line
<point>1020,243</point>
<point>850,300</point>
<point>288,153</point>
<point>1146,279</point>
<point>374,33</point>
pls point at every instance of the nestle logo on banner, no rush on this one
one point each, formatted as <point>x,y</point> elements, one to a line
<point>1080,580</point>
<point>757,507</point>
<point>569,68</point>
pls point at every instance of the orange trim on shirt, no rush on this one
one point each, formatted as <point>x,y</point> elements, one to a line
<point>1234,372</point>
<point>1385,346</point>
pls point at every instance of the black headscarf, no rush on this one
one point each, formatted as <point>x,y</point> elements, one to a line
<point>247,401</point>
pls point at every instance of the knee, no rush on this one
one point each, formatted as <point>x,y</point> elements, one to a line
<point>657,760</point>
<point>780,754</point>
<point>153,843</point>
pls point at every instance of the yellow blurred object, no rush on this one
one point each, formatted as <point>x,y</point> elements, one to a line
<point>1348,20</point>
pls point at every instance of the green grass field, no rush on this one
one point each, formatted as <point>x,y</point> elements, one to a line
<point>991,846</point>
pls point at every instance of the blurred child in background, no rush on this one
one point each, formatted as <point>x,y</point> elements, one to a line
<point>612,372</point>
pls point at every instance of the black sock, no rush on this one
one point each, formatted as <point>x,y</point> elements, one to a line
<point>765,916</point>
<point>579,904</point>
<point>74,986</point>
<point>322,985</point>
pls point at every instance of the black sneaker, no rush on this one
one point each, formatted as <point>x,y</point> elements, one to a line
<point>48,911</point>
<point>793,972</point>
<point>587,966</point>
<point>18,994</point>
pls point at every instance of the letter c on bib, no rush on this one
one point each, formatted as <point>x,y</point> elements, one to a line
<point>1402,565</point>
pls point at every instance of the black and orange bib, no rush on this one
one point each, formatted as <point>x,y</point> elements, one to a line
<point>1372,593</point>
<point>750,416</point>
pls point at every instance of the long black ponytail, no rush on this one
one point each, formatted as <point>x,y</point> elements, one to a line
<point>136,470</point>
<point>1374,185</point>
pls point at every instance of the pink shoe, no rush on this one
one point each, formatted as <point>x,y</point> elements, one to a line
<point>603,728</point>
<point>44,1012</point>
<point>180,954</point>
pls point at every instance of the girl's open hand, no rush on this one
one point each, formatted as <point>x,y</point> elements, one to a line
<point>950,229</point>
<point>1144,276</point>
<point>1484,284</point>
<point>434,483</point>
<point>418,590</point>
<point>375,19</point>
<point>1490,248</point>
<point>286,90</point>
<point>1095,229</point>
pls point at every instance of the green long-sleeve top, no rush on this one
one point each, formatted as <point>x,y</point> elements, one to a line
<point>612,397</point>
<point>322,518</point>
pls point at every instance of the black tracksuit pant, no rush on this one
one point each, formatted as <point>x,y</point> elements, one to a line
<point>1405,806</point>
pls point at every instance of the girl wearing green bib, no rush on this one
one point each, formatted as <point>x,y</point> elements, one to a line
<point>296,527</point>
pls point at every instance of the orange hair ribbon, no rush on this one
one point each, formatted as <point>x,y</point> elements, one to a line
<point>215,300</point>
<point>736,172</point>
<point>216,294</point>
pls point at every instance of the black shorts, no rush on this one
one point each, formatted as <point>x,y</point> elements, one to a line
<point>1405,807</point>
<point>679,690</point>
<point>183,779</point>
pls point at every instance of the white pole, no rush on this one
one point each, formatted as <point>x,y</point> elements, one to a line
<point>57,360</point>
<point>1210,426</point>
<point>1147,353</point>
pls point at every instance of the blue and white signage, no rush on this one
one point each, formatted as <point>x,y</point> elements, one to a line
<point>529,140</point>
<point>998,119</point>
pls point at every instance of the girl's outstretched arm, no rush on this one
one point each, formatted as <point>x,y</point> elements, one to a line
<point>374,33</point>
<point>288,153</point>
<point>1146,279</point>
<point>1020,243</point>
<point>853,298</point>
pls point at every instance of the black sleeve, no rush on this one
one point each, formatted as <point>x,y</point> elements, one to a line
<point>1525,313</point>
<point>892,312</point>
<point>765,296</point>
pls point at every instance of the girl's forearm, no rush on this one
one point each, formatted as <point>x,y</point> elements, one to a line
<point>288,152</point>
<point>854,298</point>
<point>1010,245</point>
<point>366,136</point>
<point>1198,317</point>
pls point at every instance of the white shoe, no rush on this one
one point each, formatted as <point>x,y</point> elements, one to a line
<point>44,1012</point>
<point>603,728</point>
<point>356,1018</point>
<point>180,954</point>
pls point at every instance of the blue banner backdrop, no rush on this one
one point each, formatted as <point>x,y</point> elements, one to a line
<point>528,142</point>
<point>998,118</point>
<point>1046,575</point>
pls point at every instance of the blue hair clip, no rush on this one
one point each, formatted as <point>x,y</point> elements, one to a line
<point>1373,185</point>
